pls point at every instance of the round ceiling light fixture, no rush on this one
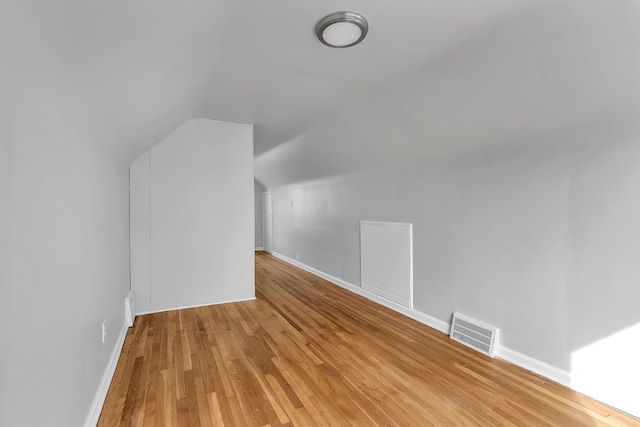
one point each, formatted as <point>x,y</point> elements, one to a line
<point>342,29</point>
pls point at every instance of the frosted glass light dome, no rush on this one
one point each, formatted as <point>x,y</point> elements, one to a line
<point>342,29</point>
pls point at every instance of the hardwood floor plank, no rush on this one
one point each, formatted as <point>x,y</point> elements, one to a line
<point>308,353</point>
<point>132,390</point>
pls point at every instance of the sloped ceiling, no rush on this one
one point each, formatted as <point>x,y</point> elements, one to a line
<point>549,69</point>
<point>143,67</point>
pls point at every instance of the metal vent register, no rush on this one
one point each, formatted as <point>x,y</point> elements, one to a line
<point>475,334</point>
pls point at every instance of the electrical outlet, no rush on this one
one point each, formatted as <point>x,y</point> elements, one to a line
<point>104,331</point>
<point>297,256</point>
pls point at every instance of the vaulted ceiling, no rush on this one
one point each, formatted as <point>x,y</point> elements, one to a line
<point>503,68</point>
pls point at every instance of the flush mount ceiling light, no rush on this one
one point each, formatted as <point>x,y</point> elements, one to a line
<point>342,29</point>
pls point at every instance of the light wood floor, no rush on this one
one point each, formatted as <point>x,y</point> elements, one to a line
<point>308,353</point>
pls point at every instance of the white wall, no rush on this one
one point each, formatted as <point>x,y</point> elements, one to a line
<point>257,190</point>
<point>139,232</point>
<point>489,236</point>
<point>63,237</point>
<point>200,219</point>
<point>541,240</point>
<point>603,269</point>
<point>513,156</point>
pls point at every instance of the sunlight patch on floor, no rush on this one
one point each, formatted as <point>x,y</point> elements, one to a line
<point>609,370</point>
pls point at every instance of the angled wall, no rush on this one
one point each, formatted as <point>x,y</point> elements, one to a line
<point>200,217</point>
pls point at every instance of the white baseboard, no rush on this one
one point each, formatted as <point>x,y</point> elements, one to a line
<point>529,363</point>
<point>259,248</point>
<point>193,306</point>
<point>536,366</point>
<point>414,314</point>
<point>105,382</point>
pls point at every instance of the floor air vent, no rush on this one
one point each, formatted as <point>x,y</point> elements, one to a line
<point>474,334</point>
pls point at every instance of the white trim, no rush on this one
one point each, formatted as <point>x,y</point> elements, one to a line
<point>195,306</point>
<point>259,248</point>
<point>388,295</point>
<point>414,314</point>
<point>536,366</point>
<point>101,394</point>
<point>267,232</point>
<point>389,224</point>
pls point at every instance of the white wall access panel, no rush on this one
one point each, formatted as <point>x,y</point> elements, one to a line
<point>386,254</point>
